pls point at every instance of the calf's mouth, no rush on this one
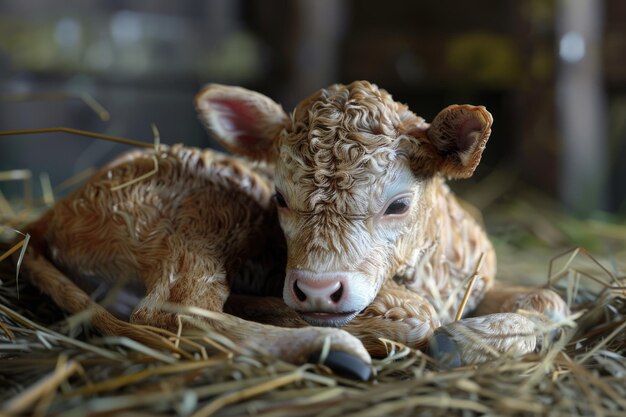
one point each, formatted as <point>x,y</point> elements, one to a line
<point>327,319</point>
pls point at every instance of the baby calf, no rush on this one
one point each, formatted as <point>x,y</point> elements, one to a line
<point>372,240</point>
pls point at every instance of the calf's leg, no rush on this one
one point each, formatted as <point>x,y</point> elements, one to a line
<point>545,302</point>
<point>509,320</point>
<point>395,314</point>
<point>292,345</point>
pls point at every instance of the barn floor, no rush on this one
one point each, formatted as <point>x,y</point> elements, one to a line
<point>52,364</point>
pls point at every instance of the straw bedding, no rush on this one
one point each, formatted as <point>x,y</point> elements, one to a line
<point>52,364</point>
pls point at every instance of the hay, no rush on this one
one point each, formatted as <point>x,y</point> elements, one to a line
<point>52,364</point>
<point>56,365</point>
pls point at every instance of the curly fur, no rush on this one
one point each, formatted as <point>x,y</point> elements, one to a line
<point>205,227</point>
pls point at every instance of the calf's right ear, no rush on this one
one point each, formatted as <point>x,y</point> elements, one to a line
<point>243,121</point>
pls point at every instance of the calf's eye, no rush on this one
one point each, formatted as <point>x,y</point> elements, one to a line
<point>280,200</point>
<point>399,206</point>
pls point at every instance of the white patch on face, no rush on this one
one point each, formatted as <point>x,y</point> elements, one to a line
<point>398,180</point>
<point>399,183</point>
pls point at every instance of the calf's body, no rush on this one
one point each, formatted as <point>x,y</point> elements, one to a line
<point>345,213</point>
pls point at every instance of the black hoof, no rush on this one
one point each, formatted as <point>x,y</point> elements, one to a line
<point>344,364</point>
<point>445,350</point>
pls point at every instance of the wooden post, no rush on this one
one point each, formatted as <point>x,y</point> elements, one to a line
<point>581,106</point>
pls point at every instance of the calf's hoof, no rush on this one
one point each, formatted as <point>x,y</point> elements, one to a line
<point>445,350</point>
<point>344,364</point>
<point>480,339</point>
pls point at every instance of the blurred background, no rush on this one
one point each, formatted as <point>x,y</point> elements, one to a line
<point>553,74</point>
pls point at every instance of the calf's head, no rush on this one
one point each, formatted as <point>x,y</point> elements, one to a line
<point>354,182</point>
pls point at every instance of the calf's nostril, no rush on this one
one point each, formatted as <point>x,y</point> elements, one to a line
<point>336,296</point>
<point>299,293</point>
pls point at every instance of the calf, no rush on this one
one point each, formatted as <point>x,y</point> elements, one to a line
<point>373,243</point>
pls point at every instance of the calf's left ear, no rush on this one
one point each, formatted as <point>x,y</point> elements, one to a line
<point>458,136</point>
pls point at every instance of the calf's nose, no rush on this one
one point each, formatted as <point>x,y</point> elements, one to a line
<point>321,293</point>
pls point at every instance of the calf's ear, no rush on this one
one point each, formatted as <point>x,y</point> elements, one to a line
<point>458,136</point>
<point>243,121</point>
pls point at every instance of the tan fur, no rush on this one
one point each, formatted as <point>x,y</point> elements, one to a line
<point>205,225</point>
<point>188,233</point>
